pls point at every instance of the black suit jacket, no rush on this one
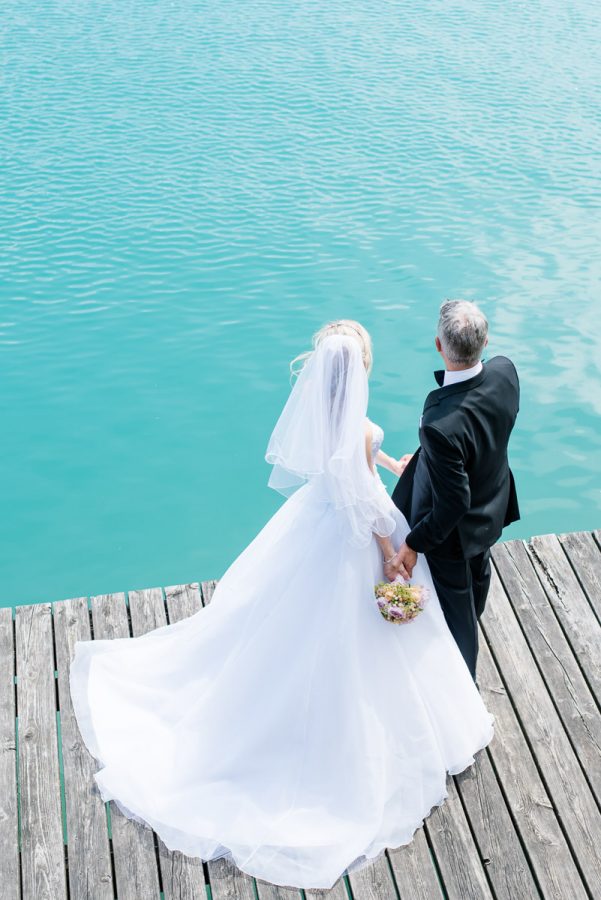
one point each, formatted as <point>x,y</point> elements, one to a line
<point>458,492</point>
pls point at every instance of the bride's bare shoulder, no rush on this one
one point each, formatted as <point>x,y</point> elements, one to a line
<point>368,441</point>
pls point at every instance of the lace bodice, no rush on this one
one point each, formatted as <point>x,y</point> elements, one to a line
<point>377,437</point>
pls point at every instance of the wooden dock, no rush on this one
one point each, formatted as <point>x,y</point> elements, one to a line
<point>523,822</point>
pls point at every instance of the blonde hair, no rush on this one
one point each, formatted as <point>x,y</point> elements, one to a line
<point>341,326</point>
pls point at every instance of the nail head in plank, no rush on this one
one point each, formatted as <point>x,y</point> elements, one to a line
<point>183,600</point>
<point>495,835</point>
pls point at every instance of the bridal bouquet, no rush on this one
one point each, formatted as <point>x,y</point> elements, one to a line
<point>400,602</point>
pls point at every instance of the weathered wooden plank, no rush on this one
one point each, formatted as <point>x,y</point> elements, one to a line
<point>566,783</point>
<point>182,601</point>
<point>569,601</point>
<point>228,882</point>
<point>182,876</point>
<point>90,874</point>
<point>561,672</point>
<point>268,891</point>
<point>337,892</point>
<point>456,853</point>
<point>532,811</point>
<point>136,870</point>
<point>496,838</point>
<point>414,869</point>
<point>9,832</point>
<point>42,845</point>
<point>374,882</point>
<point>147,610</point>
<point>208,589</point>
<point>585,555</point>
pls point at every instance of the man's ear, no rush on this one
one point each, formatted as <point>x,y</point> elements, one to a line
<point>438,344</point>
<point>486,341</point>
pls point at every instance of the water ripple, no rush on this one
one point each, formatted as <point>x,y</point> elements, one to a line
<point>191,188</point>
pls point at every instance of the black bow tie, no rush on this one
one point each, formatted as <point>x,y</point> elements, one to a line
<point>440,373</point>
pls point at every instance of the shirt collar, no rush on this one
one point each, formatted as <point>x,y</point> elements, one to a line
<point>462,374</point>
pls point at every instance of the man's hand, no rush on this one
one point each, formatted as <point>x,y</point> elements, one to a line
<point>402,563</point>
<point>392,569</point>
<point>399,566</point>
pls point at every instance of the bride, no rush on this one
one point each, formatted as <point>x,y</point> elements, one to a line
<point>288,726</point>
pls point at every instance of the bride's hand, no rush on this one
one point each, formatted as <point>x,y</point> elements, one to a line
<point>395,567</point>
<point>403,462</point>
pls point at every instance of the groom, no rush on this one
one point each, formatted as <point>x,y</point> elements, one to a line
<point>457,491</point>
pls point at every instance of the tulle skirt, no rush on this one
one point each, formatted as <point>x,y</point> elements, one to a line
<point>287,726</point>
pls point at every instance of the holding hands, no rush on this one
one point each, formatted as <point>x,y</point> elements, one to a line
<point>401,563</point>
<point>396,466</point>
<point>403,462</point>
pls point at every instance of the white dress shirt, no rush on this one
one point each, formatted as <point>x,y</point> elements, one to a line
<point>461,374</point>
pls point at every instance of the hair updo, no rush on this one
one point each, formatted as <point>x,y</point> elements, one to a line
<point>340,326</point>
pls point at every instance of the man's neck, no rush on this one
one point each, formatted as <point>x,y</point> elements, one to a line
<point>453,367</point>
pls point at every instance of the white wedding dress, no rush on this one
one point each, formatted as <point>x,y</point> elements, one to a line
<point>287,725</point>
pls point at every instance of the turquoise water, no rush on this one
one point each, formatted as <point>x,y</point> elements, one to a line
<point>192,188</point>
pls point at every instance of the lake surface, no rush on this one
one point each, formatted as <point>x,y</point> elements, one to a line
<point>190,189</point>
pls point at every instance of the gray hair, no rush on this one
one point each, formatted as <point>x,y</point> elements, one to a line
<point>462,330</point>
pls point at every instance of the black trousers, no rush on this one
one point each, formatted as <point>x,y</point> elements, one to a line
<point>462,586</point>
